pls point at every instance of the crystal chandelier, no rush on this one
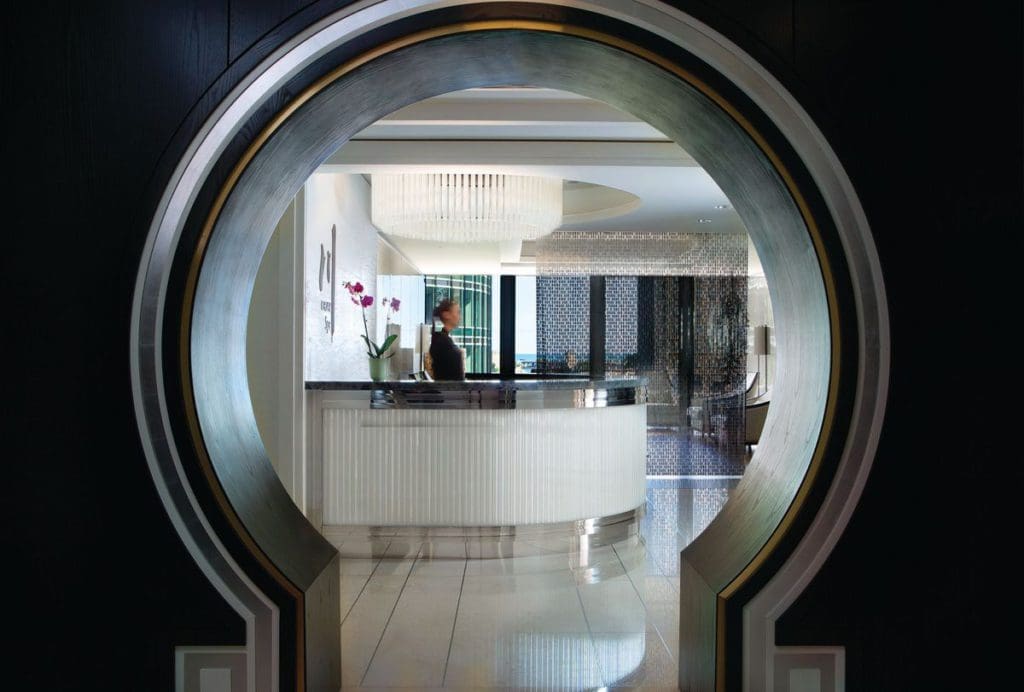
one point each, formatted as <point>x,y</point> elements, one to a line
<point>466,207</point>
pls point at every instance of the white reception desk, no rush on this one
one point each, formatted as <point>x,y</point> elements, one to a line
<point>466,464</point>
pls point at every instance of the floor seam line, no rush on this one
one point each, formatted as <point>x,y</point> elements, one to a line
<point>643,603</point>
<point>390,615</point>
<point>593,644</point>
<point>455,620</point>
<point>361,590</point>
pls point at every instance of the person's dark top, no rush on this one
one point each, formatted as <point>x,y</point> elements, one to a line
<point>446,358</point>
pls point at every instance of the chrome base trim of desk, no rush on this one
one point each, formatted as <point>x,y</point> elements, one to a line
<point>485,542</point>
<point>584,397</point>
<point>557,393</point>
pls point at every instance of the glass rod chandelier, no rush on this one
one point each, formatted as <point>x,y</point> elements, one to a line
<point>466,207</point>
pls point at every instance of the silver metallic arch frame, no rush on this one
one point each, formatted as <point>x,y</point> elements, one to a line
<point>803,322</point>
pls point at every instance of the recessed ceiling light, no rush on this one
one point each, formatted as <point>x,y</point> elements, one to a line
<point>703,220</point>
<point>721,206</point>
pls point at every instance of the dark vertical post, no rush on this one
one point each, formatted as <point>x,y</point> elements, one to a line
<point>597,326</point>
<point>686,341</point>
<point>507,347</point>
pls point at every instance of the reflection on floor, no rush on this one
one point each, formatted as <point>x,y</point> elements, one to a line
<point>608,619</point>
<point>682,452</point>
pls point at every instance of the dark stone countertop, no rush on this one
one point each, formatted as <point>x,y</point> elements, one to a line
<point>563,383</point>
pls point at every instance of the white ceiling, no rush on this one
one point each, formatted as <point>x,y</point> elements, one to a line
<point>512,113</point>
<point>551,133</point>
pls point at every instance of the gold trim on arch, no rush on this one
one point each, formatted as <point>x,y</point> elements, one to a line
<point>504,25</point>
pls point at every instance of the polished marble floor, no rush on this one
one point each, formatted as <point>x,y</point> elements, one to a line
<point>603,619</point>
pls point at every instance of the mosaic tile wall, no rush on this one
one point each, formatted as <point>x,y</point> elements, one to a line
<point>687,452</point>
<point>720,334</point>
<point>720,361</point>
<point>667,524</point>
<point>643,334</point>
<point>707,503</point>
<point>629,253</point>
<point>563,324</point>
<point>710,435</point>
<point>658,343</point>
<point>620,304</point>
<point>678,510</point>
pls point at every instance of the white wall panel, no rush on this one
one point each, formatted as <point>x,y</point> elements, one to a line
<point>342,202</point>
<point>481,467</point>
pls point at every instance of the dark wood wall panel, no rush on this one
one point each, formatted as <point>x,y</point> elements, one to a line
<point>92,94</point>
<point>924,109</point>
<point>923,106</point>
<point>250,21</point>
<point>761,26</point>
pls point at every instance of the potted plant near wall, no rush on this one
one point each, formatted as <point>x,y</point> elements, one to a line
<point>379,355</point>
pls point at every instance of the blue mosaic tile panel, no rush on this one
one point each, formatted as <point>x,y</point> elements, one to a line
<point>620,343</point>
<point>563,324</point>
<point>686,453</point>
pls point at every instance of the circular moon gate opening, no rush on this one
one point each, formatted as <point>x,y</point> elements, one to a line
<point>801,438</point>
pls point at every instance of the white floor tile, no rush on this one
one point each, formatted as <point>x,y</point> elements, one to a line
<point>414,648</point>
<point>361,566</point>
<point>631,659</point>
<point>421,619</point>
<point>534,564</point>
<point>545,660</point>
<point>613,606</point>
<point>364,625</point>
<point>362,549</point>
<point>349,592</point>
<point>391,567</point>
<point>443,567</point>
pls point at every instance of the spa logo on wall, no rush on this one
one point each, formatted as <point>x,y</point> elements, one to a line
<point>327,275</point>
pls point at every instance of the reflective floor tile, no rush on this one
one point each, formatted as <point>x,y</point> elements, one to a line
<point>666,624</point>
<point>534,564</point>
<point>335,535</point>
<point>656,588</point>
<point>444,548</point>
<point>362,548</point>
<point>361,566</point>
<point>490,550</point>
<point>439,567</point>
<point>537,617</point>
<point>593,556</point>
<point>363,627</point>
<point>613,606</point>
<point>350,589</point>
<point>402,548</point>
<point>633,659</point>
<point>545,660</point>
<point>387,567</point>
<point>558,610</point>
<point>414,648</point>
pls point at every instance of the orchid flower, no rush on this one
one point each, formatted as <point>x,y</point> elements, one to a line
<point>373,350</point>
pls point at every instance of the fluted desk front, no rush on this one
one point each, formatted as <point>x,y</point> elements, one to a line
<point>492,457</point>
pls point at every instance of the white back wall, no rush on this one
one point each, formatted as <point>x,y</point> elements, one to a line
<point>411,313</point>
<point>341,202</point>
<point>759,311</point>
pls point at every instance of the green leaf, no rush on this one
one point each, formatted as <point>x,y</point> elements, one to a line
<point>375,351</point>
<point>371,348</point>
<point>388,341</point>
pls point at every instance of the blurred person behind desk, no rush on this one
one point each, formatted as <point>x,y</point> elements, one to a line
<point>446,359</point>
